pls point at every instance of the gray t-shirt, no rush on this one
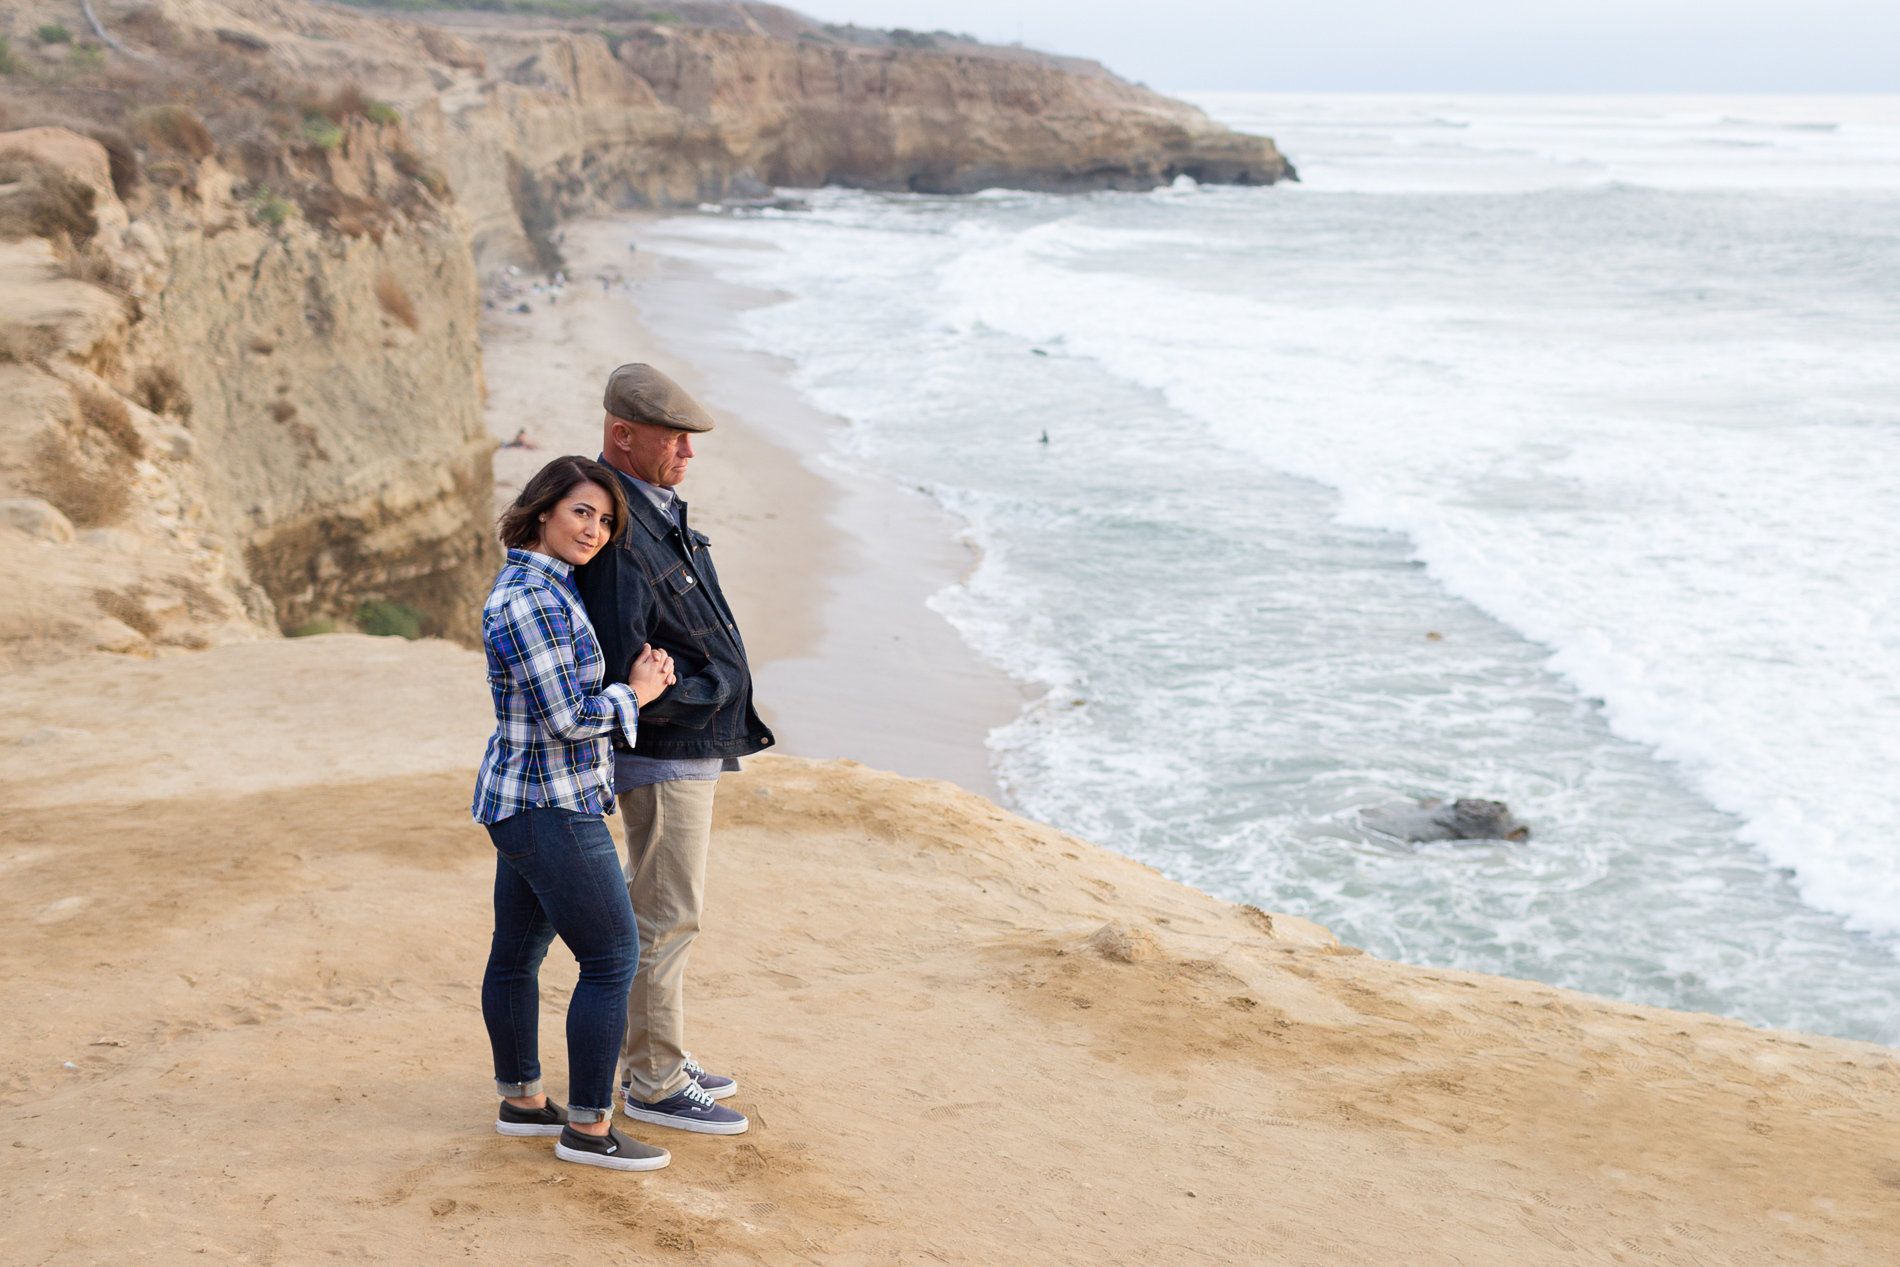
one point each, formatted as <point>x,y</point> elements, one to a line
<point>632,770</point>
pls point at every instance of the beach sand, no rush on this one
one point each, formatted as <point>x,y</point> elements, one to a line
<point>248,915</point>
<point>828,567</point>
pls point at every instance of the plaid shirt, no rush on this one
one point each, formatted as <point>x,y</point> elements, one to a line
<point>552,718</point>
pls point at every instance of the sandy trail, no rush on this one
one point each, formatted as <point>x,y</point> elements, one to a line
<point>243,1020</point>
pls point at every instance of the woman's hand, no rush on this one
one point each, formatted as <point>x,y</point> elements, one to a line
<point>651,674</point>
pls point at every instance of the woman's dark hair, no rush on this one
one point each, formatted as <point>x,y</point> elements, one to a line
<point>520,524</point>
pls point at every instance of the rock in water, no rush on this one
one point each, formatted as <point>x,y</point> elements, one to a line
<point>1463,819</point>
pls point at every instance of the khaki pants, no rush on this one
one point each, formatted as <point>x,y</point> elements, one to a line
<point>668,826</point>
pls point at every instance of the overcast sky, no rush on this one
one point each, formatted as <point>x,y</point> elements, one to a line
<point>1438,45</point>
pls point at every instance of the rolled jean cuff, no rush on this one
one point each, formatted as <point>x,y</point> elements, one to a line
<point>518,1090</point>
<point>581,1117</point>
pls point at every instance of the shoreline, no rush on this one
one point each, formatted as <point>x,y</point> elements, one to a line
<point>826,566</point>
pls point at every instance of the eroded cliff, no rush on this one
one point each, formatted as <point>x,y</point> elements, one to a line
<point>533,119</point>
<point>241,244</point>
<point>240,377</point>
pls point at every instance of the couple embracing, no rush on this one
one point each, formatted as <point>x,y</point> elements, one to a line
<point>619,677</point>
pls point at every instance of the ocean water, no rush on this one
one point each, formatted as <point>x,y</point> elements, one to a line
<point>1541,449</point>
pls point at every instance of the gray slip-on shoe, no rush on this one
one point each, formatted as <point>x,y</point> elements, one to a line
<point>613,1151</point>
<point>550,1119</point>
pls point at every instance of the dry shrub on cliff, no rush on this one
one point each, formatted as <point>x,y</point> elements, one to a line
<point>131,606</point>
<point>127,610</point>
<point>108,415</point>
<point>174,128</point>
<point>86,475</point>
<point>148,25</point>
<point>347,102</point>
<point>39,200</point>
<point>161,390</point>
<point>327,207</point>
<point>395,300</point>
<point>406,161</point>
<point>328,115</point>
<point>124,160</point>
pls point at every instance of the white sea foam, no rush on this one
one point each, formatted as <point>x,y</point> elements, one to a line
<point>1725,585</point>
<point>1650,428</point>
<point>1377,143</point>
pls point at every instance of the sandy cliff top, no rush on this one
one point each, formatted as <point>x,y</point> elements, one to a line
<point>244,989</point>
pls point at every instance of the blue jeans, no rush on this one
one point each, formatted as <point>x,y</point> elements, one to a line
<point>556,871</point>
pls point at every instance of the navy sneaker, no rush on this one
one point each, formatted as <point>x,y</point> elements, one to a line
<point>714,1085</point>
<point>550,1119</point>
<point>612,1150</point>
<point>691,1110</point>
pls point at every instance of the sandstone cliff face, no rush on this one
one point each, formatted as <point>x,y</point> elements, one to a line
<point>337,389</point>
<point>214,427</point>
<point>240,367</point>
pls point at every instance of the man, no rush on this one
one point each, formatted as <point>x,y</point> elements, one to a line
<point>657,585</point>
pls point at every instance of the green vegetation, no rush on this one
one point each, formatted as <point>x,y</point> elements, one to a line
<point>8,63</point>
<point>381,112</point>
<point>86,57</point>
<point>270,209</point>
<point>384,619</point>
<point>312,628</point>
<point>321,131</point>
<point>53,33</point>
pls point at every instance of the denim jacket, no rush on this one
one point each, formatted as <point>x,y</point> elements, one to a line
<point>657,585</point>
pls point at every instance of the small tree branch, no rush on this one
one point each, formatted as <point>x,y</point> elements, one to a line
<point>99,29</point>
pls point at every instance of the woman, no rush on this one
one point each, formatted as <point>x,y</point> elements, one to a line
<point>545,783</point>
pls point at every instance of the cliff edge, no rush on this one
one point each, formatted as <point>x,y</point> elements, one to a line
<point>961,1037</point>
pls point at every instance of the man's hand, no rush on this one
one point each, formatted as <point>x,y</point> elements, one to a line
<point>651,674</point>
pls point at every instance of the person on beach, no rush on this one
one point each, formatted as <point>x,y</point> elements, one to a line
<point>544,784</point>
<point>656,585</point>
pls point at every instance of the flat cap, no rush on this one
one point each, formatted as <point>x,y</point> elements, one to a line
<point>640,393</point>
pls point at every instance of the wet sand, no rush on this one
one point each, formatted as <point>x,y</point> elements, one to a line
<point>827,567</point>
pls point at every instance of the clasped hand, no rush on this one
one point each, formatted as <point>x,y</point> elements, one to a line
<point>651,674</point>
